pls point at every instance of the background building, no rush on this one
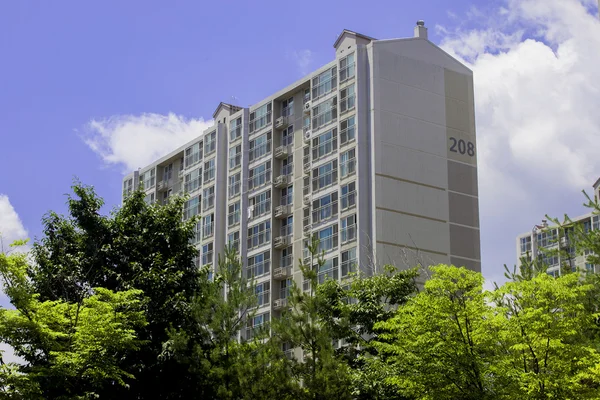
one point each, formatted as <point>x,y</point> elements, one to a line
<point>543,237</point>
<point>374,153</point>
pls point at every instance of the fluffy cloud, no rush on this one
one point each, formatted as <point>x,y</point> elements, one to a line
<point>11,227</point>
<point>538,113</point>
<point>135,141</point>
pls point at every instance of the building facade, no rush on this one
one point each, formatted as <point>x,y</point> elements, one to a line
<point>374,154</point>
<point>543,242</point>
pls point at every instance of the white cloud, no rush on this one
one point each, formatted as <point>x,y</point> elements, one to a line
<point>134,141</point>
<point>537,94</point>
<point>303,60</point>
<point>11,226</point>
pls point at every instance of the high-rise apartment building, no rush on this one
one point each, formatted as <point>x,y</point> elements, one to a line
<point>374,154</point>
<point>544,241</point>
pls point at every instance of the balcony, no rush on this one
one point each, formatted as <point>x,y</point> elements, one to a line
<point>307,199</point>
<point>283,211</point>
<point>281,181</point>
<point>280,242</point>
<point>307,167</point>
<point>282,273</point>
<point>180,174</point>
<point>282,152</point>
<point>162,185</point>
<point>307,230</point>
<point>281,123</point>
<point>279,304</point>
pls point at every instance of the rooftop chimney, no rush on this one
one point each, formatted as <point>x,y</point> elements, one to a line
<point>421,31</point>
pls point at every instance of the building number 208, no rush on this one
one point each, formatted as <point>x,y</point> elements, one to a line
<point>462,147</point>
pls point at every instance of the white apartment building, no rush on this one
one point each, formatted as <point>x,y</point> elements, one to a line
<point>374,154</point>
<point>543,237</point>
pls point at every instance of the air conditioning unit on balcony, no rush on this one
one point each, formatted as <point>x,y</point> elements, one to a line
<point>306,260</point>
<point>280,303</point>
<point>281,180</point>
<point>307,230</point>
<point>307,136</point>
<point>180,174</point>
<point>307,107</point>
<point>162,185</point>
<point>280,242</point>
<point>281,123</point>
<point>282,211</point>
<point>281,152</point>
<point>307,199</point>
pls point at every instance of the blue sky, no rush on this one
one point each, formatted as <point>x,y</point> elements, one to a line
<point>75,76</point>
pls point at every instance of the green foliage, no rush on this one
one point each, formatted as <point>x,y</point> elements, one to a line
<point>70,349</point>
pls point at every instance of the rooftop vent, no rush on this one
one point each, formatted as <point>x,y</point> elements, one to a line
<point>420,30</point>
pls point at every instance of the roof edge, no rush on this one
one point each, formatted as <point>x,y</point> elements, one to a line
<point>360,35</point>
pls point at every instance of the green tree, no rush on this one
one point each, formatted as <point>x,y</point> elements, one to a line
<point>70,349</point>
<point>318,374</point>
<point>439,344</point>
<point>137,246</point>
<point>542,324</point>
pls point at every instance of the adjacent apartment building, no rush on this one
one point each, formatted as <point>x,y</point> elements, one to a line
<point>374,153</point>
<point>543,239</point>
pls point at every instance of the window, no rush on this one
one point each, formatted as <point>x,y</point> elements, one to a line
<point>260,146</point>
<point>260,117</point>
<point>167,173</point>
<point>234,184</point>
<point>207,254</point>
<point>208,226</point>
<point>526,244</point>
<point>233,240</point>
<point>329,270</point>
<point>287,107</point>
<point>287,257</point>
<point>287,136</point>
<point>209,170</point>
<point>233,215</point>
<point>127,187</point>
<point>596,222</point>
<point>258,265</point>
<point>348,130</point>
<point>324,208</point>
<point>263,293</point>
<point>193,154</point>
<point>324,113</point>
<point>589,268</point>
<point>347,99</point>
<point>347,163</point>
<point>347,67</point>
<point>587,226</point>
<point>191,208</point>
<point>548,259</point>
<point>235,156</point>
<point>284,288</point>
<point>547,238</point>
<point>148,178</point>
<point>256,324</point>
<point>324,144</point>
<point>197,233</point>
<point>193,180</point>
<point>210,143</point>
<point>150,198</point>
<point>328,238</point>
<point>260,204</point>
<point>348,228</point>
<point>306,123</point>
<point>260,175</point>
<point>209,198</point>
<point>324,83</point>
<point>287,196</point>
<point>348,261</point>
<point>348,198</point>
<point>305,185</point>
<point>235,129</point>
<point>167,195</point>
<point>259,234</point>
<point>287,226</point>
<point>287,165</point>
<point>325,175</point>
